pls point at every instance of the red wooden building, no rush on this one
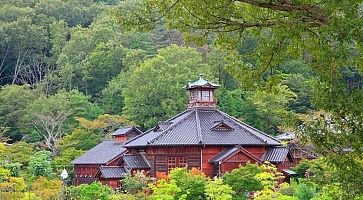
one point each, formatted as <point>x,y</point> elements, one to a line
<point>103,162</point>
<point>202,136</point>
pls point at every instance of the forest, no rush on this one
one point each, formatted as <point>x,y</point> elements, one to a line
<point>72,72</point>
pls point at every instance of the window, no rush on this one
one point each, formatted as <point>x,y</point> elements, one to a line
<point>205,96</point>
<point>171,163</point>
<point>182,162</point>
<point>174,162</point>
<point>194,95</point>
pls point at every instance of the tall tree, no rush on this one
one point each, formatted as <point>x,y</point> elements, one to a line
<point>326,35</point>
<point>13,103</point>
<point>53,116</point>
<point>155,90</point>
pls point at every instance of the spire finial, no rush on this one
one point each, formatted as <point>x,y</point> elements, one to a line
<point>201,76</point>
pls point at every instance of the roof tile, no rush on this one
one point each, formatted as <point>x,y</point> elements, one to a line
<point>195,127</point>
<point>103,153</point>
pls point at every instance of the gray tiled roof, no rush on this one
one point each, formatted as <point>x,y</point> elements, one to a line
<point>124,130</point>
<point>195,127</point>
<point>135,161</point>
<point>224,154</point>
<point>103,153</point>
<point>113,172</point>
<point>276,154</point>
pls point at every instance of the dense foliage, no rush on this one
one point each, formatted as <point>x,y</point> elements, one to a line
<point>71,72</point>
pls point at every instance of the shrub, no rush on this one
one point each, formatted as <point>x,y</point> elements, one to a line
<point>95,191</point>
<point>47,189</point>
<point>136,183</point>
<point>165,190</point>
<point>216,190</point>
<point>243,180</point>
<point>191,182</point>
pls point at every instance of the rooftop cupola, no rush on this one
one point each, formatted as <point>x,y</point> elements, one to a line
<point>201,93</point>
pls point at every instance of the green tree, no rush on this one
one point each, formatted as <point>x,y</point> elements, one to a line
<point>217,190</point>
<point>136,183</point>
<point>19,152</point>
<point>46,189</point>
<point>165,190</point>
<point>53,116</point>
<point>324,35</point>
<point>155,89</point>
<point>95,191</point>
<point>191,182</point>
<point>243,180</point>
<point>92,56</point>
<point>13,103</point>
<point>40,164</point>
<point>15,168</point>
<point>80,139</point>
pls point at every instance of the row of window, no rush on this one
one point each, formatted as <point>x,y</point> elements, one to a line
<point>174,162</point>
<point>205,95</point>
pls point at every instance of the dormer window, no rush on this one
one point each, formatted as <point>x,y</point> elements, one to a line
<point>221,126</point>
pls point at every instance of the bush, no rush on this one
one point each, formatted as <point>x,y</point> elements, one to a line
<point>305,191</point>
<point>40,164</point>
<point>89,192</point>
<point>243,180</point>
<point>216,190</point>
<point>47,189</point>
<point>166,190</point>
<point>287,189</point>
<point>136,183</point>
<point>191,182</point>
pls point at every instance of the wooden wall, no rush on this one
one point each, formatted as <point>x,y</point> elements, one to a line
<point>158,157</point>
<point>85,173</point>
<point>209,152</point>
<point>114,183</point>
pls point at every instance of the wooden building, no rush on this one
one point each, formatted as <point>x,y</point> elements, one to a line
<point>206,138</point>
<point>101,162</point>
<point>202,137</point>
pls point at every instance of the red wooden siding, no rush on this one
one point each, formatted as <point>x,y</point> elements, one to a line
<point>209,152</point>
<point>184,156</point>
<point>257,151</point>
<point>114,183</point>
<point>85,173</point>
<point>235,161</point>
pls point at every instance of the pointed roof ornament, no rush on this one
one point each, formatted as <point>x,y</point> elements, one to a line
<point>202,83</point>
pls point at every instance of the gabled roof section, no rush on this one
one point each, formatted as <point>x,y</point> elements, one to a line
<point>195,127</point>
<point>221,126</point>
<point>135,161</point>
<point>202,83</point>
<point>229,152</point>
<point>111,172</point>
<point>103,153</point>
<point>125,130</point>
<point>277,155</point>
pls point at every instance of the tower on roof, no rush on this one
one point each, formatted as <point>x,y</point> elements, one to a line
<point>201,93</point>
